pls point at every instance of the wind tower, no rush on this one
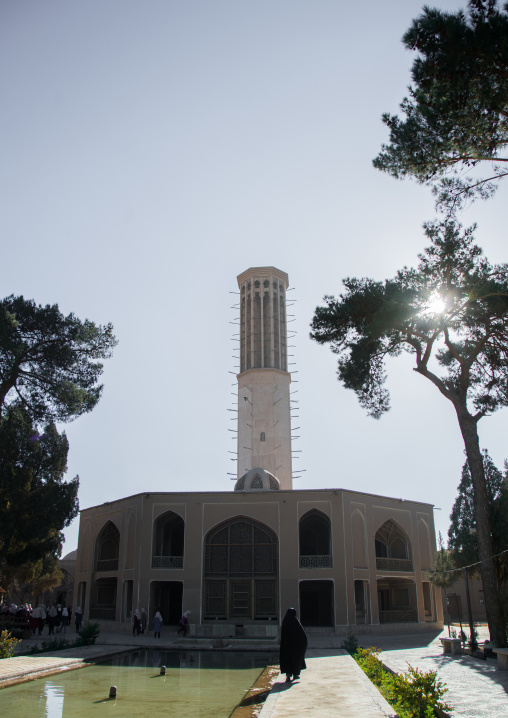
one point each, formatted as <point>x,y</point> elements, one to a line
<point>264,424</point>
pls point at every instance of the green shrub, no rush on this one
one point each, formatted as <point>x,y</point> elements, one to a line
<point>420,692</point>
<point>88,634</point>
<point>413,695</point>
<point>369,662</point>
<point>7,643</point>
<point>350,644</point>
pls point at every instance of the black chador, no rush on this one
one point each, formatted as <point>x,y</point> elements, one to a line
<point>293,644</point>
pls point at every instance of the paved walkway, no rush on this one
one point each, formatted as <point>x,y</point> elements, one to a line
<point>476,688</point>
<point>333,685</point>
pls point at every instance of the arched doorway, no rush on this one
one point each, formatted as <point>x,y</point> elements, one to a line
<point>316,603</point>
<point>241,569</point>
<point>166,597</point>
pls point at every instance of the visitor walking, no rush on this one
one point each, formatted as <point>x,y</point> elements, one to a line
<point>157,625</point>
<point>183,623</point>
<point>293,644</point>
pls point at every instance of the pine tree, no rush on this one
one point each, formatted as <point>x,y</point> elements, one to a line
<point>453,134</point>
<point>451,314</point>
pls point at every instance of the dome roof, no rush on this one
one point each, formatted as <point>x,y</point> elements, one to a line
<point>257,479</point>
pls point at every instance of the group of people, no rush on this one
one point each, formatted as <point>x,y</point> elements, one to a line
<point>56,617</point>
<point>13,609</point>
<point>139,623</point>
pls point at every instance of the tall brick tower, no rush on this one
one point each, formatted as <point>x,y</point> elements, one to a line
<point>264,424</point>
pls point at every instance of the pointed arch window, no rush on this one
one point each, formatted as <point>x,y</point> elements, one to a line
<point>393,548</point>
<point>315,540</point>
<point>107,548</point>
<point>168,541</point>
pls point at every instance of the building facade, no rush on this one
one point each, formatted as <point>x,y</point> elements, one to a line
<point>348,561</point>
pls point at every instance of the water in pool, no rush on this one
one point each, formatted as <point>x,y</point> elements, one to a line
<point>196,685</point>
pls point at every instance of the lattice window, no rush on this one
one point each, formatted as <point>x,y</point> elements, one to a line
<point>260,536</point>
<point>240,532</point>
<point>256,483</point>
<point>394,564</point>
<point>266,599</point>
<point>241,547</point>
<point>215,598</point>
<point>240,559</point>
<point>241,593</point>
<point>263,559</point>
<point>315,561</point>
<point>244,554</point>
<point>167,561</point>
<point>221,536</point>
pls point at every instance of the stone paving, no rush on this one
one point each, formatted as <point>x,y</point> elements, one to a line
<point>332,686</point>
<point>476,688</point>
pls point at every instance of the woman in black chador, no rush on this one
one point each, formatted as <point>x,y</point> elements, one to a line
<point>293,644</point>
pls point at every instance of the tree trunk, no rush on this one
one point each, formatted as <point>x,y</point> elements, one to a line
<point>495,617</point>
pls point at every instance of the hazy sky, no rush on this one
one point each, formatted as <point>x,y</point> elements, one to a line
<point>152,151</point>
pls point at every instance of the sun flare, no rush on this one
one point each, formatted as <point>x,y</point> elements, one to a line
<point>436,305</point>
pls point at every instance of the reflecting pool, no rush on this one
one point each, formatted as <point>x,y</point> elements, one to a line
<point>207,684</point>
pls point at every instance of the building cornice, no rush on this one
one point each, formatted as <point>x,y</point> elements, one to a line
<point>261,272</point>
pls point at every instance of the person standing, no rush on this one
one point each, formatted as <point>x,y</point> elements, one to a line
<point>157,625</point>
<point>183,623</point>
<point>293,645</point>
<point>34,622</point>
<point>136,622</point>
<point>143,620</point>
